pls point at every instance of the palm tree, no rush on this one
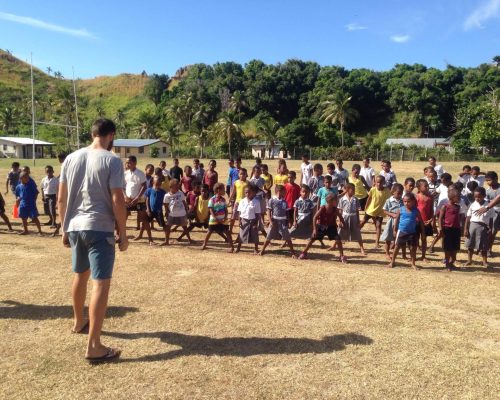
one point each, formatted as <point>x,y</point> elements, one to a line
<point>100,111</point>
<point>8,116</point>
<point>227,127</point>
<point>49,70</point>
<point>64,105</point>
<point>268,128</point>
<point>120,118</point>
<point>58,75</point>
<point>337,110</point>
<point>237,103</point>
<point>202,120</point>
<point>496,61</point>
<point>170,134</point>
<point>147,125</point>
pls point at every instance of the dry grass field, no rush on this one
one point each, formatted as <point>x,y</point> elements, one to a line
<point>213,325</point>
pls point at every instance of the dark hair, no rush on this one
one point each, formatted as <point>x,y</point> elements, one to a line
<point>149,166</point>
<point>163,162</point>
<point>258,160</point>
<point>349,185</point>
<point>176,160</point>
<point>293,173</point>
<point>49,167</point>
<point>218,186</point>
<point>279,188</point>
<point>366,159</point>
<point>328,178</point>
<point>453,192</point>
<point>212,161</point>
<point>432,158</point>
<point>420,182</point>
<point>410,179</point>
<point>103,127</point>
<point>158,171</point>
<point>466,166</point>
<point>397,186</point>
<point>381,177</point>
<point>61,157</point>
<point>446,176</point>
<point>492,175</point>
<point>458,185</point>
<point>196,160</point>
<point>330,165</point>
<point>231,160</point>
<point>15,164</point>
<point>476,168</point>
<point>254,188</point>
<point>429,168</point>
<point>244,170</point>
<point>410,196</point>
<point>339,160</point>
<point>472,185</point>
<point>306,188</point>
<point>238,159</point>
<point>305,155</point>
<point>480,190</point>
<point>264,166</point>
<point>132,159</point>
<point>386,162</point>
<point>205,187</point>
<point>356,166</point>
<point>317,166</point>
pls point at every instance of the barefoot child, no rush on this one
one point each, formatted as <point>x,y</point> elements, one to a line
<point>50,186</point>
<point>326,190</point>
<point>268,181</point>
<point>350,207</point>
<point>325,224</point>
<point>2,213</point>
<point>303,215</point>
<point>201,211</point>
<point>278,225</point>
<point>391,209</point>
<point>175,210</point>
<point>154,205</point>
<point>13,178</point>
<point>493,191</point>
<point>409,186</point>
<point>405,229</point>
<point>249,213</point>
<point>388,174</point>
<point>377,196</point>
<point>425,205</point>
<point>292,193</point>
<point>258,181</point>
<point>449,222</point>
<point>361,187</point>
<point>316,182</point>
<point>218,217</point>
<point>238,194</point>
<point>442,192</point>
<point>281,178</point>
<point>187,180</point>
<point>26,195</point>
<point>478,227</point>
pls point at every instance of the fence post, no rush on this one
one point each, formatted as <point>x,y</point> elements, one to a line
<point>377,154</point>
<point>402,153</point>
<point>390,154</point>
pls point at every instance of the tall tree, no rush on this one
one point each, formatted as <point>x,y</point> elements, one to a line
<point>8,119</point>
<point>155,87</point>
<point>337,110</point>
<point>226,126</point>
<point>269,130</point>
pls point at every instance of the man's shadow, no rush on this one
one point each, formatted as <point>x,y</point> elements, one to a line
<point>16,310</point>
<point>240,346</point>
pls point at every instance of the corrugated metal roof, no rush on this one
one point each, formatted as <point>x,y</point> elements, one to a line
<point>134,142</point>
<point>256,142</point>
<point>22,140</point>
<point>427,142</point>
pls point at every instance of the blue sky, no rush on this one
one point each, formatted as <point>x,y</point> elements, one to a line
<point>109,37</point>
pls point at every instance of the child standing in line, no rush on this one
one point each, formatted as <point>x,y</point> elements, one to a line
<point>278,225</point>
<point>282,168</point>
<point>149,171</point>
<point>449,222</point>
<point>478,228</point>
<point>325,224</point>
<point>361,187</point>
<point>391,209</point>
<point>13,178</point>
<point>154,206</point>
<point>303,215</point>
<point>367,172</point>
<point>388,174</point>
<point>187,180</point>
<point>316,182</point>
<point>342,174</point>
<point>211,177</point>
<point>405,229</point>
<point>3,215</point>
<point>350,207</point>
<point>268,181</point>
<point>326,190</point>
<point>175,211</point>
<point>50,186</point>
<point>374,209</point>
<point>176,171</point>
<point>493,191</point>
<point>249,213</point>
<point>26,194</point>
<point>425,205</point>
<point>442,200</point>
<point>292,193</point>
<point>202,213</point>
<point>218,217</point>
<point>306,170</point>
<point>330,171</point>
<point>409,186</point>
<point>191,200</point>
<point>281,177</point>
<point>238,194</point>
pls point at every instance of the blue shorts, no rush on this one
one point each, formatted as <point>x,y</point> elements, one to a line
<point>94,250</point>
<point>28,212</point>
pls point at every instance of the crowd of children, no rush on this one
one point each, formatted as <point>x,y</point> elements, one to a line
<point>322,206</point>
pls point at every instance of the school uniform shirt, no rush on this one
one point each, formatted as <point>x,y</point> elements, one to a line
<point>292,193</point>
<point>175,203</point>
<point>392,204</point>
<point>304,206</point>
<point>439,170</point>
<point>442,190</point>
<point>369,174</point>
<point>133,182</point>
<point>464,179</point>
<point>341,177</point>
<point>278,208</point>
<point>259,182</point>
<point>307,172</point>
<point>166,173</point>
<point>50,186</point>
<point>490,196</point>
<point>378,199</point>
<point>349,206</point>
<point>248,209</point>
<point>239,187</point>
<point>324,192</point>
<point>280,179</point>
<point>155,199</point>
<point>219,207</point>
<point>198,174</point>
<point>485,218</point>
<point>390,178</point>
<point>479,179</point>
<point>335,179</point>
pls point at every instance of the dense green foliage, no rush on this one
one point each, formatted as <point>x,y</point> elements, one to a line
<point>215,109</point>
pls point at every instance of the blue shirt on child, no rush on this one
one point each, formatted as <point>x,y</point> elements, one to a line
<point>408,220</point>
<point>155,199</point>
<point>27,195</point>
<point>324,192</point>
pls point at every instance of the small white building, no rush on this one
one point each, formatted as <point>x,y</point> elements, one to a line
<point>21,147</point>
<point>139,147</point>
<point>262,150</point>
<point>429,143</point>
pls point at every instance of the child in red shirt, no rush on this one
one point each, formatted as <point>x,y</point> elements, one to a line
<point>425,204</point>
<point>292,193</point>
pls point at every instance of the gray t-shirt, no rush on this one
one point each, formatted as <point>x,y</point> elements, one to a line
<point>90,175</point>
<point>278,208</point>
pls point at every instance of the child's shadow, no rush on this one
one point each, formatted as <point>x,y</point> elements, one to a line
<point>240,346</point>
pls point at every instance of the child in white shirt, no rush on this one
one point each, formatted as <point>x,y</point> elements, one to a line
<point>249,214</point>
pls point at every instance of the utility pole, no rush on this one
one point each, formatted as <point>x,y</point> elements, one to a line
<point>32,108</point>
<point>76,112</point>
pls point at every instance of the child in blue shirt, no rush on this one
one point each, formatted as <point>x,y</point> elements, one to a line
<point>326,190</point>
<point>154,206</point>
<point>26,194</point>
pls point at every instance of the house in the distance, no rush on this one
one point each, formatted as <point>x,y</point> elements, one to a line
<point>262,150</point>
<point>429,143</point>
<point>139,147</point>
<point>22,147</point>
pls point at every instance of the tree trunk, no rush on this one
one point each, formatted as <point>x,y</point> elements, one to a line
<point>342,133</point>
<point>229,145</point>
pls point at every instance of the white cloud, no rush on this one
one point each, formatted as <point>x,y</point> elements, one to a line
<point>400,38</point>
<point>481,14</point>
<point>45,25</point>
<point>355,27</point>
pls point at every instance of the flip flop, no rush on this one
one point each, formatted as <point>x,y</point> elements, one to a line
<point>84,329</point>
<point>110,355</point>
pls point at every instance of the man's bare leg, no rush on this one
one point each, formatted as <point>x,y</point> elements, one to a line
<point>79,293</point>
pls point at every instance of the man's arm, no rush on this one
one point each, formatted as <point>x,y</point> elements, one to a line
<point>62,198</point>
<point>7,185</point>
<point>120,213</point>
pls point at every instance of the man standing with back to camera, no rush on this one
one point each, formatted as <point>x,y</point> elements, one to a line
<point>90,201</point>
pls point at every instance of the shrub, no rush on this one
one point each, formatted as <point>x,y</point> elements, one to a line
<point>155,152</point>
